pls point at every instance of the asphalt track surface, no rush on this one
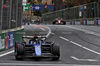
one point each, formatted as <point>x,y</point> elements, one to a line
<point>79,46</point>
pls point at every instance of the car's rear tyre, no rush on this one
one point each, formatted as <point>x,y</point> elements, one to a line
<point>56,52</point>
<point>53,23</point>
<point>19,50</point>
<point>17,42</point>
<point>64,23</point>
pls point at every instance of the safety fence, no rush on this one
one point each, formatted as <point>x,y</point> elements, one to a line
<point>7,39</point>
<point>91,10</point>
<point>11,12</point>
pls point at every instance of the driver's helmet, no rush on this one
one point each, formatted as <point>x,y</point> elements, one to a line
<point>36,40</point>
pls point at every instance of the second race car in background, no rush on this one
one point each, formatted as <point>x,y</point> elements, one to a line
<point>59,21</point>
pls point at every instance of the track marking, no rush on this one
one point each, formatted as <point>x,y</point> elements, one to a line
<point>80,46</point>
<point>63,38</point>
<point>74,58</point>
<point>38,26</point>
<point>82,59</point>
<point>42,29</point>
<point>20,64</point>
<point>49,32</point>
<point>52,33</point>
<point>6,53</point>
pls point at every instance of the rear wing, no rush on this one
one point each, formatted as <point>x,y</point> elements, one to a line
<point>31,37</point>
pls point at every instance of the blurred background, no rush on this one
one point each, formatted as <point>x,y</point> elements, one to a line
<point>10,14</point>
<point>13,13</point>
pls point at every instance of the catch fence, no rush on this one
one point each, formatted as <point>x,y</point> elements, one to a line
<point>90,10</point>
<point>10,14</point>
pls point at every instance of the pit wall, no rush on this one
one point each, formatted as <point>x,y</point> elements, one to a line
<point>8,38</point>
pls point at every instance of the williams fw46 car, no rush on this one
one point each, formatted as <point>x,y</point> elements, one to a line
<point>36,48</point>
<point>59,21</point>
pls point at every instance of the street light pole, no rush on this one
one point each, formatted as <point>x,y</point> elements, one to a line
<point>1,14</point>
<point>16,12</point>
<point>10,15</point>
<point>98,8</point>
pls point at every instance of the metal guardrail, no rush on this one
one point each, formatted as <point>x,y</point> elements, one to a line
<point>90,10</point>
<point>10,14</point>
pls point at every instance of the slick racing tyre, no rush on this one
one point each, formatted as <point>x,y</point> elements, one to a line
<point>19,51</point>
<point>65,23</point>
<point>56,52</point>
<point>17,42</point>
<point>53,23</point>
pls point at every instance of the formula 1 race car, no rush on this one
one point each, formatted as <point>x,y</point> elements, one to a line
<point>59,21</point>
<point>36,48</point>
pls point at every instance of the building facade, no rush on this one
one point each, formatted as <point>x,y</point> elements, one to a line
<point>49,2</point>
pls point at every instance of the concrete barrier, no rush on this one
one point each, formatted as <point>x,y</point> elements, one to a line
<point>85,21</point>
<point>90,22</point>
<point>72,22</point>
<point>77,22</point>
<point>98,21</point>
<point>2,41</point>
<point>8,38</point>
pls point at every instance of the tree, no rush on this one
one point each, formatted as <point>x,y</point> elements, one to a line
<point>70,3</point>
<point>45,10</point>
<point>37,13</point>
<point>89,1</point>
<point>32,2</point>
<point>57,3</point>
<point>39,1</point>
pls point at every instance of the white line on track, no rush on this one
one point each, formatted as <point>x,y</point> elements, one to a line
<point>25,64</point>
<point>52,33</point>
<point>80,46</point>
<point>82,59</point>
<point>6,53</point>
<point>49,32</point>
<point>63,38</point>
<point>74,58</point>
<point>42,29</point>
